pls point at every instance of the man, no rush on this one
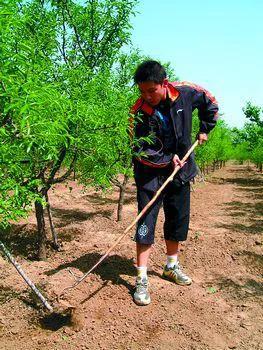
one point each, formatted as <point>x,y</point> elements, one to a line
<point>162,134</point>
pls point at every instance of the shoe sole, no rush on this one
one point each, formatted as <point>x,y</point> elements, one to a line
<point>179,283</point>
<point>145,303</point>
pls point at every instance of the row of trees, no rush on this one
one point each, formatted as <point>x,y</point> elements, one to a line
<point>64,99</point>
<point>248,141</point>
<point>66,89</point>
<point>224,143</point>
<point>217,150</point>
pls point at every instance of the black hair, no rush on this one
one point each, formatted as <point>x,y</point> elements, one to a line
<point>150,71</point>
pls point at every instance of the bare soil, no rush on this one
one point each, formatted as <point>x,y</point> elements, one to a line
<point>222,309</point>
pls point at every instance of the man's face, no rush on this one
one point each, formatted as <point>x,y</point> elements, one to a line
<point>152,92</point>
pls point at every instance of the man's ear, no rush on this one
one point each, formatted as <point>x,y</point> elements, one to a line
<point>165,83</point>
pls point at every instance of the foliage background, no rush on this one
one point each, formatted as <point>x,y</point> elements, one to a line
<point>65,93</point>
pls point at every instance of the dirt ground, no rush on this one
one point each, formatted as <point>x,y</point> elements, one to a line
<point>222,309</point>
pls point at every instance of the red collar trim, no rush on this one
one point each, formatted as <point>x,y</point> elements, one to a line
<point>142,105</point>
<point>172,92</point>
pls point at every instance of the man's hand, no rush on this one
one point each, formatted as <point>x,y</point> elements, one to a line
<point>202,137</point>
<point>177,161</point>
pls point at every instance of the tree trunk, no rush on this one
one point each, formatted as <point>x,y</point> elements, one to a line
<point>121,197</point>
<point>203,171</point>
<point>42,238</point>
<point>214,165</point>
<point>56,245</point>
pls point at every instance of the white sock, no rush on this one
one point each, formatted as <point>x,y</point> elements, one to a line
<point>142,271</point>
<point>171,261</point>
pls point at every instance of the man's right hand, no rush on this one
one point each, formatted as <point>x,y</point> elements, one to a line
<point>177,161</point>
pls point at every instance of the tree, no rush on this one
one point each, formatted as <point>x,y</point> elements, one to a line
<point>217,150</point>
<point>56,110</point>
<point>249,140</point>
<point>253,114</point>
<point>123,80</point>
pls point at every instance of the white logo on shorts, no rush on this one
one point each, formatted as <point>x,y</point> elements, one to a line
<point>179,110</point>
<point>143,230</point>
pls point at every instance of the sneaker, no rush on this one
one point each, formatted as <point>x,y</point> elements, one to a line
<point>176,275</point>
<point>141,295</point>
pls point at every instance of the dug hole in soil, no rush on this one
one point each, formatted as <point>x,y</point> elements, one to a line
<point>222,309</point>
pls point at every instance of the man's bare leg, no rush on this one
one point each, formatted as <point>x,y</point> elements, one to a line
<point>143,252</point>
<point>172,247</point>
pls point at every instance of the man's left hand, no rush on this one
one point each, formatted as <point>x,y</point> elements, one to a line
<point>202,137</point>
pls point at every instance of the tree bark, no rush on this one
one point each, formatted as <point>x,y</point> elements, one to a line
<point>121,197</point>
<point>214,165</point>
<point>42,238</point>
<point>56,245</point>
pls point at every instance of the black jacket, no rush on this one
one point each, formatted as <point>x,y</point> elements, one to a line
<point>184,99</point>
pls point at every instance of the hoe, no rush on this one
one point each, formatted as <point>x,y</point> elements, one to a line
<point>69,310</point>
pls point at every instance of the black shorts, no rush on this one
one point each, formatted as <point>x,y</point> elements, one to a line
<point>175,199</point>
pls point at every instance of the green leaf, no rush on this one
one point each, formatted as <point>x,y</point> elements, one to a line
<point>212,290</point>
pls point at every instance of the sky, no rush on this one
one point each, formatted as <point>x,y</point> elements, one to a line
<point>215,44</point>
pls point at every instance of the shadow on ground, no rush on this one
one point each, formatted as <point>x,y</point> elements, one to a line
<point>7,294</point>
<point>20,240</point>
<point>250,186</point>
<point>252,227</point>
<point>95,199</point>
<point>110,269</point>
<point>55,321</point>
<point>254,261</point>
<point>64,217</point>
<point>241,290</point>
<point>26,296</point>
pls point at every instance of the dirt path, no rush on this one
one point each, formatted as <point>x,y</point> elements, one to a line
<point>222,309</point>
